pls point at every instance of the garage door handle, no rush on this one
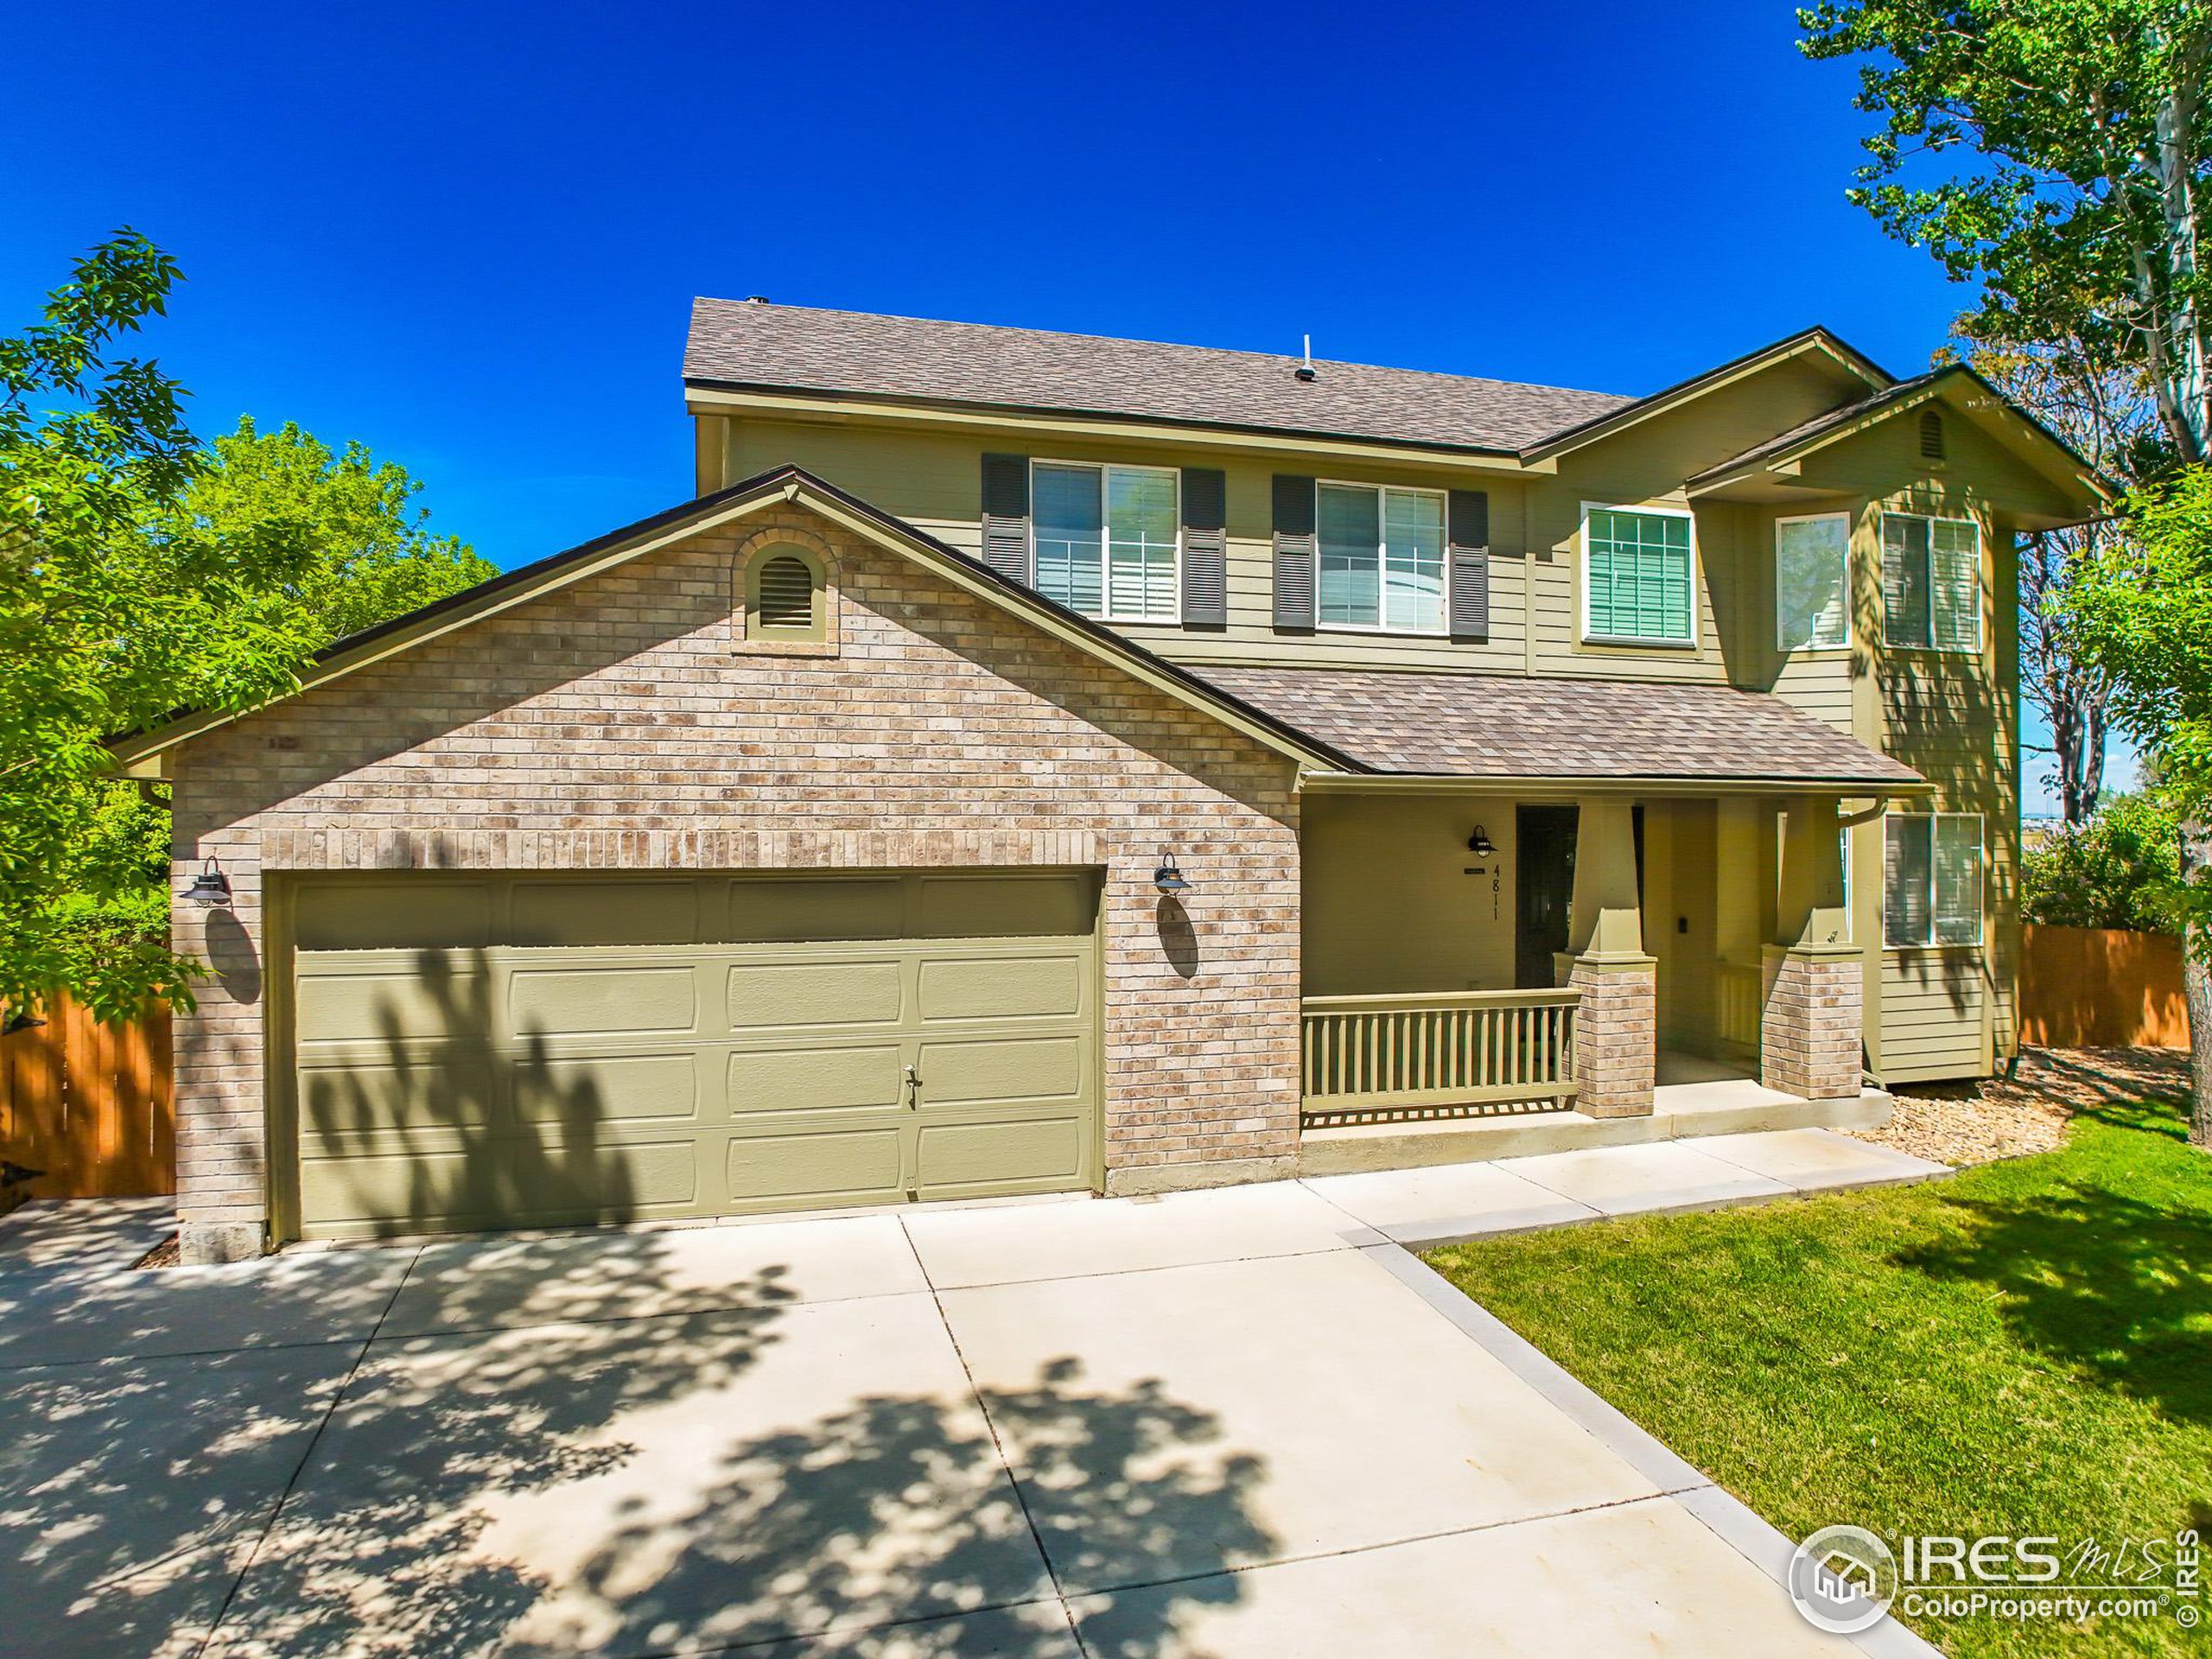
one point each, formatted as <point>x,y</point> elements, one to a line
<point>914,1087</point>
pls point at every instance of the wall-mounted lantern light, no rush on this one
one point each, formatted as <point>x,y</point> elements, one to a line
<point>210,887</point>
<point>1167,878</point>
<point>1480,844</point>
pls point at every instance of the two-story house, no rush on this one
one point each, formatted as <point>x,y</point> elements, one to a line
<point>1038,763</point>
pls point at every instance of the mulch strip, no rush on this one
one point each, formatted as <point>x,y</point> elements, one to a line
<point>1961,1123</point>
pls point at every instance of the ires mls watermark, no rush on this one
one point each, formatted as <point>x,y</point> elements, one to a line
<point>1845,1579</point>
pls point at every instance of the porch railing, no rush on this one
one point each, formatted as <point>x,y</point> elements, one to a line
<point>1372,1060</point>
<point>1740,991</point>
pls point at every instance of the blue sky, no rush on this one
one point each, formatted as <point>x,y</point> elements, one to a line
<point>469,235</point>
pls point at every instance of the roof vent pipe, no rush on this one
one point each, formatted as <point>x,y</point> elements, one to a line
<point>1305,371</point>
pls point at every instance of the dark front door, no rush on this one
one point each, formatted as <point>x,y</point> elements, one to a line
<point>1543,881</point>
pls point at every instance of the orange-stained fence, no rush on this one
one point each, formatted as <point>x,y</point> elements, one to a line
<point>2101,987</point>
<point>90,1104</point>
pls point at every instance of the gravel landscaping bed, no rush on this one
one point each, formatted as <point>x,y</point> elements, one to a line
<point>1976,1122</point>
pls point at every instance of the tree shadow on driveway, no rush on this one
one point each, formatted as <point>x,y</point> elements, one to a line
<point>607,1485</point>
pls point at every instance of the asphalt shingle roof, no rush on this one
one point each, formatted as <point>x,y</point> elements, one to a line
<point>1490,725</point>
<point>787,347</point>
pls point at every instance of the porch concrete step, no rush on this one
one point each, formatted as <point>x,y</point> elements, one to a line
<point>1680,1112</point>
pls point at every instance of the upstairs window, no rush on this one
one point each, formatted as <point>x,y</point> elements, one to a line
<point>1931,583</point>
<point>1812,582</point>
<point>1932,879</point>
<point>1105,539</point>
<point>1381,558</point>
<point>1638,585</point>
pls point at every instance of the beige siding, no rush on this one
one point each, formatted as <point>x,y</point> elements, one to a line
<point>1932,1015</point>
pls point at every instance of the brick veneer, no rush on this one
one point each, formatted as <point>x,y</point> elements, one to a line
<point>1616,1036</point>
<point>618,725</point>
<point>1809,1032</point>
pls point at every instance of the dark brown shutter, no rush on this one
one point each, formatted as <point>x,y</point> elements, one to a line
<point>1205,547</point>
<point>1006,516</point>
<point>1467,531</point>
<point>1294,551</point>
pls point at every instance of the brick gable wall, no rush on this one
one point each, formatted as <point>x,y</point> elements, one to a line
<point>624,724</point>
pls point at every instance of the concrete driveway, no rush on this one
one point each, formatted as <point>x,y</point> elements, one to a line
<point>1228,1423</point>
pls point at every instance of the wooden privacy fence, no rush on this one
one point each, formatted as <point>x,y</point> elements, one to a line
<point>90,1104</point>
<point>2101,987</point>
<point>1384,1058</point>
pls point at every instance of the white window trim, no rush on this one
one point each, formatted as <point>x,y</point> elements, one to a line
<point>1980,553</point>
<point>1638,641</point>
<point>1780,644</point>
<point>1981,939</point>
<point>1443,629</point>
<point>1106,535</point>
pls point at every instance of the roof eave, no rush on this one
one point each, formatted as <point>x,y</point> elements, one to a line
<point>1386,782</point>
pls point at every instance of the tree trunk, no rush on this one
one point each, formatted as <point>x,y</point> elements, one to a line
<point>2077,736</point>
<point>2196,990</point>
<point>2188,376</point>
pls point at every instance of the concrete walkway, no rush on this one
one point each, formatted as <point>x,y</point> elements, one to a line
<point>1232,1423</point>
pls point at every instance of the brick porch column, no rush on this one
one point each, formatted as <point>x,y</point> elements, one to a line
<point>1616,1034</point>
<point>1809,1031</point>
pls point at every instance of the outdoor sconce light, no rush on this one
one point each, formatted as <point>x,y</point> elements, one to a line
<point>1480,844</point>
<point>1167,878</point>
<point>210,887</point>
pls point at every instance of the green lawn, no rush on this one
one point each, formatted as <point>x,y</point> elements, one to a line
<point>2025,1349</point>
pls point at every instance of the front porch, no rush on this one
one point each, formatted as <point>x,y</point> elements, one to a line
<point>1490,976</point>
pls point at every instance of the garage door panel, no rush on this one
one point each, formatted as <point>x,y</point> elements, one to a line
<point>619,1089</point>
<point>870,991</point>
<point>805,1080</point>
<point>1000,1069</point>
<point>391,1005</point>
<point>1028,1155</point>
<point>595,1000</point>
<point>555,913</point>
<point>1010,906</point>
<point>809,910</point>
<point>504,1182</point>
<point>438,1091</point>
<point>393,913</point>
<point>1042,986</point>
<point>843,1167</point>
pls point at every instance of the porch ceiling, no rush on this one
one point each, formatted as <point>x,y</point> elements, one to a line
<point>1507,728</point>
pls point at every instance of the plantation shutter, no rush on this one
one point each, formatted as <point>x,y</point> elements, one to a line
<point>1467,533</point>
<point>1905,581</point>
<point>1006,516</point>
<point>1954,580</point>
<point>1906,879</point>
<point>1205,547</point>
<point>1294,551</point>
<point>1957,858</point>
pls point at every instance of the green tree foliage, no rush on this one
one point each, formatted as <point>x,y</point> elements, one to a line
<point>371,555</point>
<point>104,624</point>
<point>139,573</point>
<point>2076,138</point>
<point>2119,868</point>
<point>2145,611</point>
